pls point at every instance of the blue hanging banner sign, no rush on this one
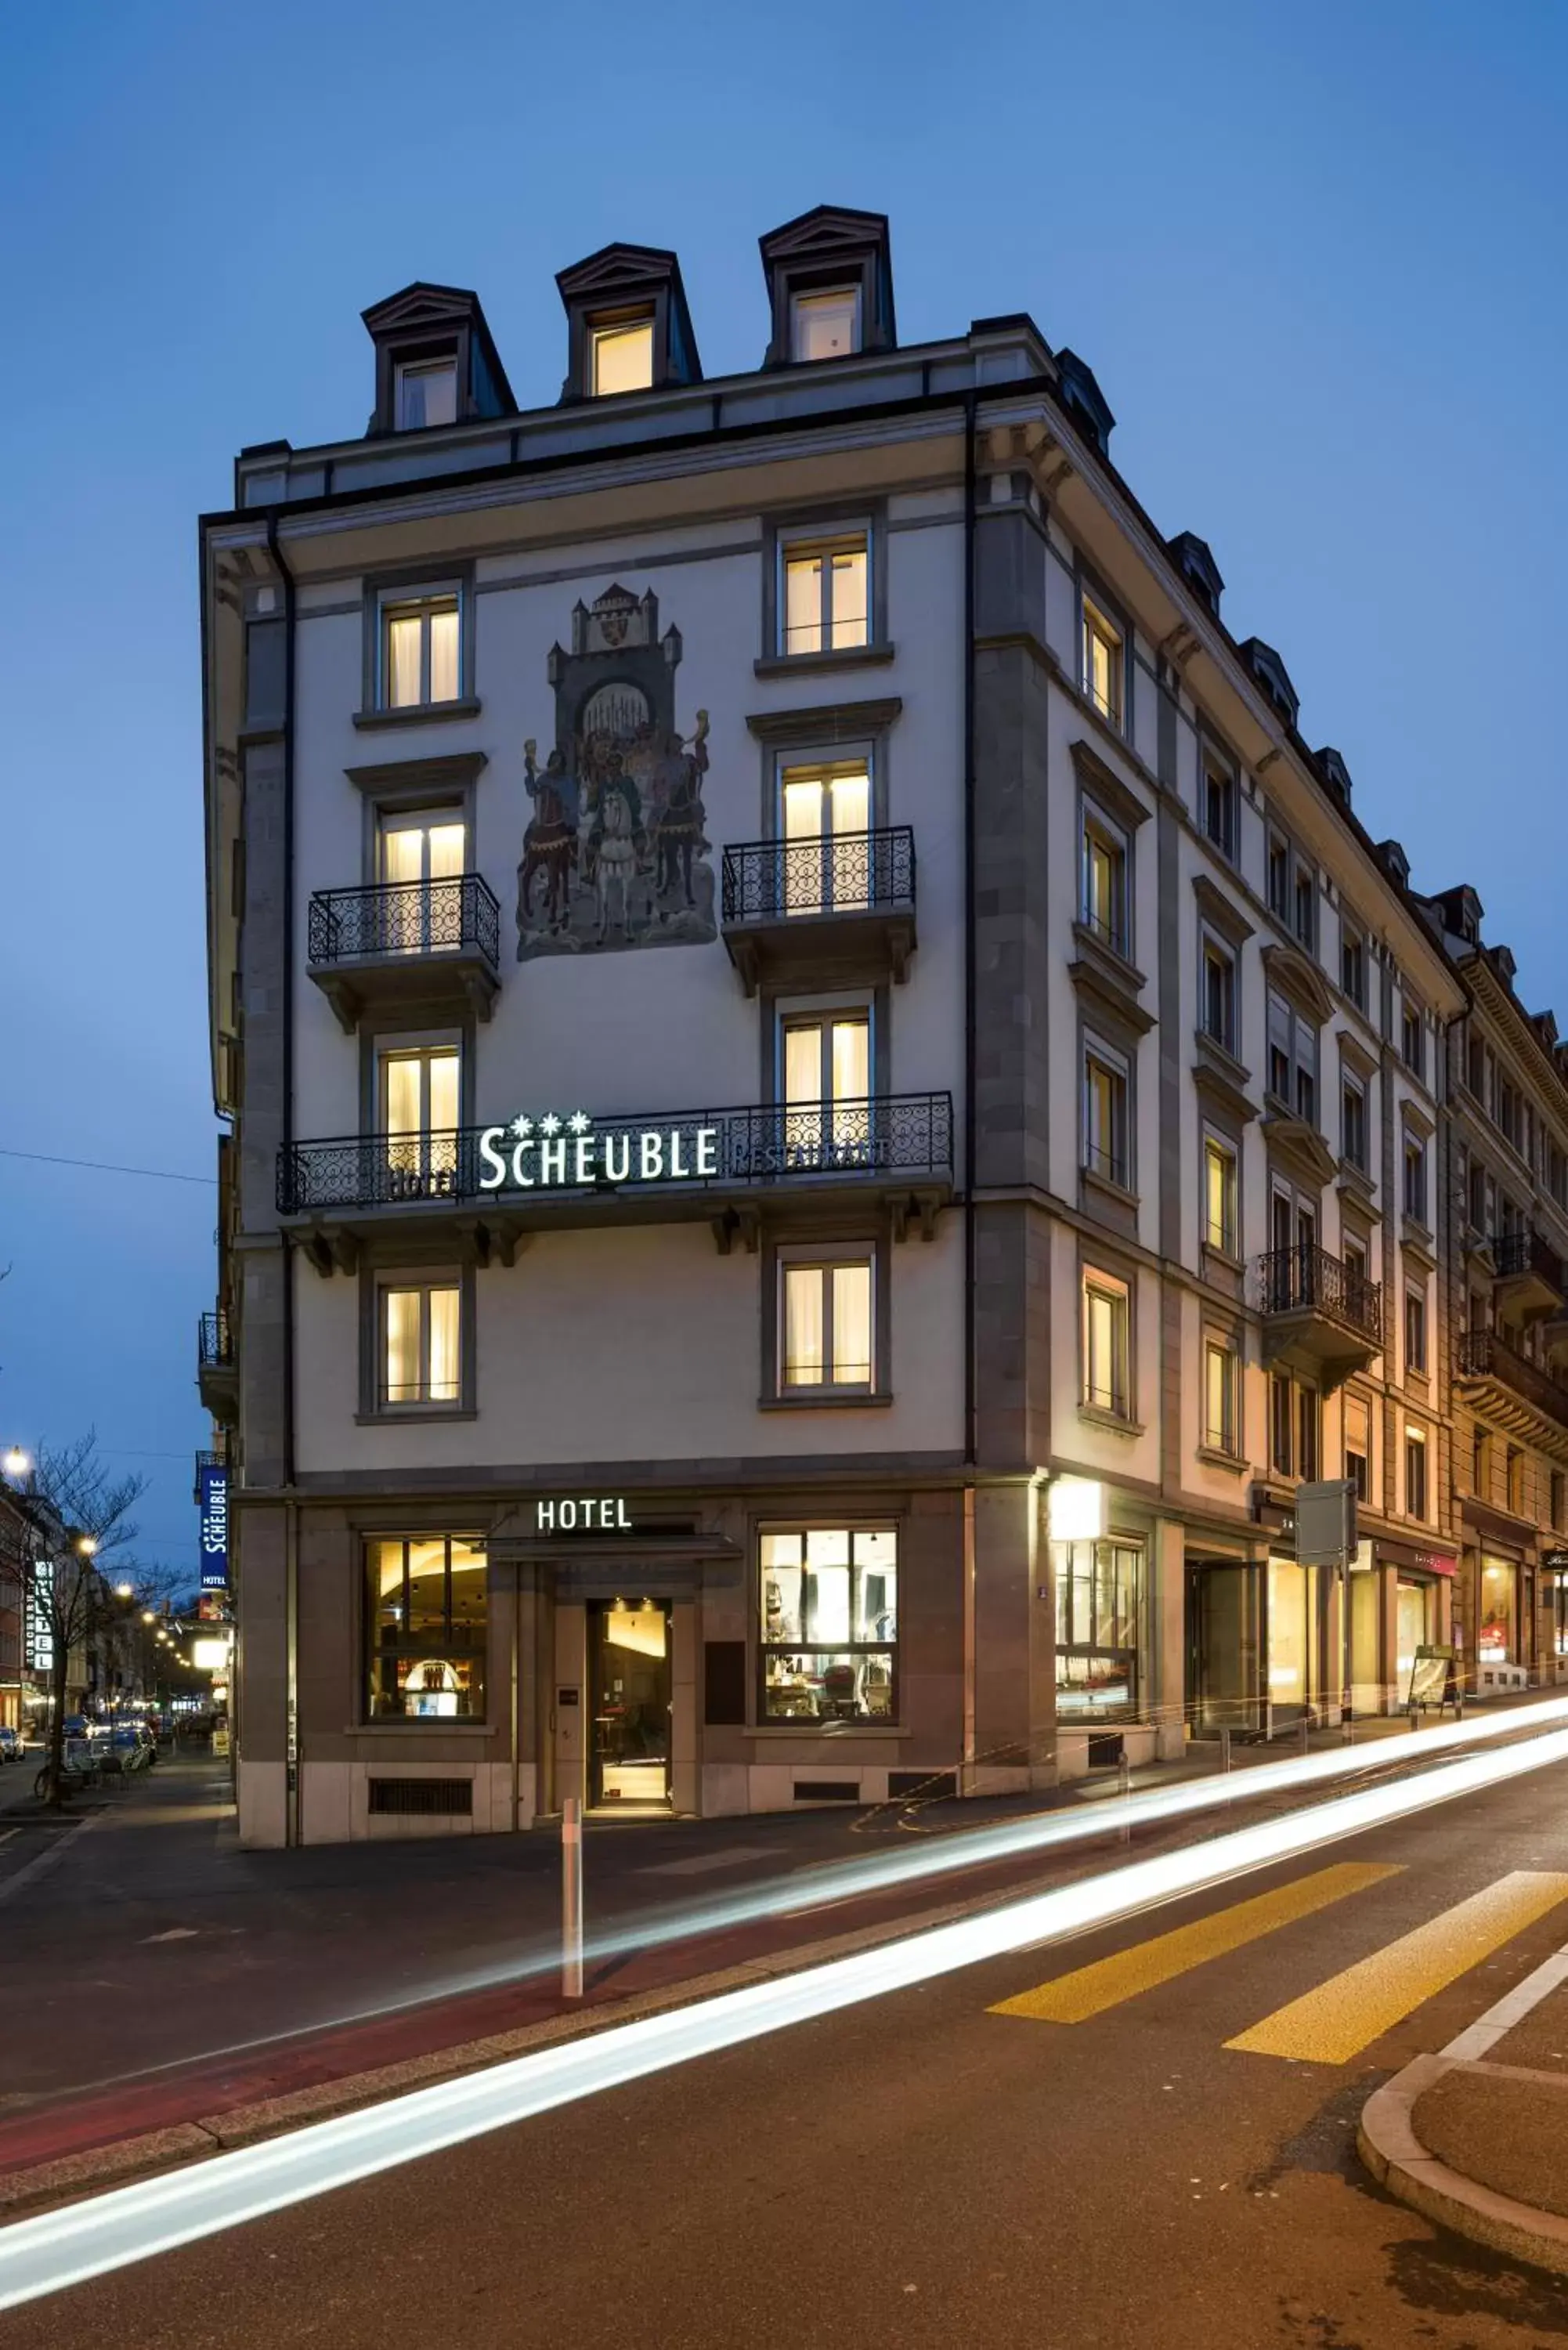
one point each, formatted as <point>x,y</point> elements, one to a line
<point>214,1507</point>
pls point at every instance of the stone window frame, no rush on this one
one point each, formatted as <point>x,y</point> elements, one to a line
<point>835,734</point>
<point>392,1028</point>
<point>1353,931</point>
<point>1120,1062</point>
<point>1278,836</point>
<point>413,584</point>
<point>808,527</point>
<point>1104,1268</point>
<point>1415,1293</point>
<point>1089,590</point>
<point>1417,1440</point>
<point>1213,940</point>
<point>846,1240</point>
<point>389,1266</point>
<point>403,785</point>
<point>1225,1338</point>
<point>778,1006</point>
<point>1213,1130</point>
<point>1211,751</point>
<point>1353,1394</point>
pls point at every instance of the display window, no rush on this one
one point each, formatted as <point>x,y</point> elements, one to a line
<point>426,1615</point>
<point>830,1623</point>
<point>1099,1600</point>
<point>1497,1624</point>
<point>1415,1615</point>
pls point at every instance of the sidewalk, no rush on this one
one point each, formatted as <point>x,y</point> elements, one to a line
<point>1477,2136</point>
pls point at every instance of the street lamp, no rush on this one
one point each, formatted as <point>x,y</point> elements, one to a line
<point>124,1591</point>
<point>87,1544</point>
<point>18,1462</point>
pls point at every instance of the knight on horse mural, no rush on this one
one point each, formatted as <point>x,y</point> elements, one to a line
<point>616,852</point>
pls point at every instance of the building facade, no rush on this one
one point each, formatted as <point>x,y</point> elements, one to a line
<point>829,1106</point>
<point>1508,1267</point>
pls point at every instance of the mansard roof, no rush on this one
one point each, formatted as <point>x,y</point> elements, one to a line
<point>1195,558</point>
<point>421,306</point>
<point>1081,392</point>
<point>1273,675</point>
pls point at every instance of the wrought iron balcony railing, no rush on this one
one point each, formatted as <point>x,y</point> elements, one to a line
<point>705,1151</point>
<point>1307,1277</point>
<point>388,918</point>
<point>214,1342</point>
<point>1482,1355</point>
<point>843,873</point>
<point>1525,1252</point>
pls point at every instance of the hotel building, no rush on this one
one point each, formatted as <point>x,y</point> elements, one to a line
<point>828,1105</point>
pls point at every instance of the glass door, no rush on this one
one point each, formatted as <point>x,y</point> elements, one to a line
<point>418,1105</point>
<point>826,1089</point>
<point>423,856</point>
<point>630,1649</point>
<point>826,825</point>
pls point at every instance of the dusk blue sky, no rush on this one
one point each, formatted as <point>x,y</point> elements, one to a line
<point>1316,257</point>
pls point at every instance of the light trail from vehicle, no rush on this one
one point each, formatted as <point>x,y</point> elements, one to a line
<point>124,2225</point>
<point>962,1849</point>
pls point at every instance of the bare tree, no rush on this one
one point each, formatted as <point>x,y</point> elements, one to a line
<point>75,1516</point>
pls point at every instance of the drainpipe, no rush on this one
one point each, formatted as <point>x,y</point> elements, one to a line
<point>970,1396</point>
<point>291,1509</point>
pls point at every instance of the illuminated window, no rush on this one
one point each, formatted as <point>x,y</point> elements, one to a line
<point>1220,1383</point>
<point>1415,1474</point>
<point>1218,1196</point>
<point>1105,1124</point>
<point>426,1608</point>
<point>824,815</point>
<point>418,1344</point>
<point>426,393</point>
<point>620,355</point>
<point>826,1345</point>
<point>826,604</point>
<point>1102,905</point>
<point>421,661</point>
<point>1099,1595</point>
<point>829,1118</point>
<point>418,1085</point>
<point>1106,1344</point>
<point>1103,664</point>
<point>824,324</point>
<point>828,1618</point>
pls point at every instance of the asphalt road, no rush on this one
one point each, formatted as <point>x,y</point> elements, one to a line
<point>922,2170</point>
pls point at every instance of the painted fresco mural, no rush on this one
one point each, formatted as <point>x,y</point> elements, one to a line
<point>616,852</point>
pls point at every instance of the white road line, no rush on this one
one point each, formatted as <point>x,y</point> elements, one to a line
<point>1484,2033</point>
<point>698,1864</point>
<point>6,1834</point>
<point>50,1858</point>
<point>111,2231</point>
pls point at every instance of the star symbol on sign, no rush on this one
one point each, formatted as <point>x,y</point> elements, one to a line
<point>549,1123</point>
<point>522,1127</point>
<point>579,1122</point>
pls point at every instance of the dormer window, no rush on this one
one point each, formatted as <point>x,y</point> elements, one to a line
<point>620,353</point>
<point>426,392</point>
<point>824,324</point>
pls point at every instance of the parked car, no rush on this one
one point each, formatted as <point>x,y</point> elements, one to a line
<point>13,1748</point>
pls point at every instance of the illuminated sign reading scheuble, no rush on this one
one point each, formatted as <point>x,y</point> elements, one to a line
<point>551,1153</point>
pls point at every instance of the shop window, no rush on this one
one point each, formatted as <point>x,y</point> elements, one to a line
<point>1099,1590</point>
<point>1220,1197</point>
<point>830,1623</point>
<point>1497,1629</point>
<point>419,649</point>
<point>1104,657</point>
<point>826,1327</point>
<point>1415,1474</point>
<point>1557,1602</point>
<point>426,1608</point>
<point>1219,1385</point>
<point>1412,1628</point>
<point>826,604</point>
<point>1106,1344</point>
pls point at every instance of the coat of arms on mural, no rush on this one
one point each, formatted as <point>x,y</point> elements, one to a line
<point>616,852</point>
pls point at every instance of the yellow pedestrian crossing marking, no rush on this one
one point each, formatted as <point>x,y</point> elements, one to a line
<point>1088,1990</point>
<point>1347,2013</point>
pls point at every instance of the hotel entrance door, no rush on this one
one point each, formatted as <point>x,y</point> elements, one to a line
<point>628,1647</point>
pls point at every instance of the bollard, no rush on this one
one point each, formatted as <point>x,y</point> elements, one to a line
<point>1306,1736</point>
<point>571,1897</point>
<point>1225,1759</point>
<point>1125,1780</point>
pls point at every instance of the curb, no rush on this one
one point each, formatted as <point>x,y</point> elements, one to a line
<point>1387,2142</point>
<point>121,2160</point>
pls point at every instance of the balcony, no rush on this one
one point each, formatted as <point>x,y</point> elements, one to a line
<point>433,947</point>
<point>216,1376</point>
<point>835,911</point>
<point>488,1184</point>
<point>1510,1380</point>
<point>1318,1316</point>
<point>1531,1280</point>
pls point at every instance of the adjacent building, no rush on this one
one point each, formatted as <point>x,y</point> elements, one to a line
<point>829,1106</point>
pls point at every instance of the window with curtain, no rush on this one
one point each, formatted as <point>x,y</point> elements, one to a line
<point>825,815</point>
<point>1220,1383</point>
<point>426,393</point>
<point>1104,660</point>
<point>420,651</point>
<point>1104,895</point>
<point>426,1613</point>
<point>1220,1196</point>
<point>1415,1474</point>
<point>1105,1120</point>
<point>419,1089</point>
<point>828,1605</point>
<point>826,1070</point>
<point>422,856</point>
<point>827,1342</point>
<point>1099,1594</point>
<point>418,1350</point>
<point>826,604</point>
